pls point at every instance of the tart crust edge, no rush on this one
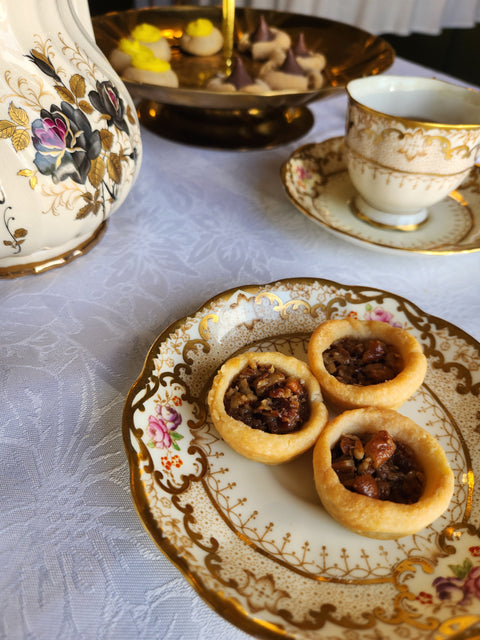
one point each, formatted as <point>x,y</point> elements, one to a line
<point>390,394</point>
<point>371,517</point>
<point>255,444</point>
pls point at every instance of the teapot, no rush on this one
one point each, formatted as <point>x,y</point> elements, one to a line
<point>70,146</point>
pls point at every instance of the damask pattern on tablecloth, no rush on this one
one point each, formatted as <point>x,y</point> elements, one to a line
<point>76,560</point>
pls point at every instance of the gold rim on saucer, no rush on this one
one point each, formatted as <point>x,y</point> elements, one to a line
<point>316,181</point>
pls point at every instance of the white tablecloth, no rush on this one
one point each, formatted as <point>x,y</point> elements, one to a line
<point>76,560</point>
<point>375,16</point>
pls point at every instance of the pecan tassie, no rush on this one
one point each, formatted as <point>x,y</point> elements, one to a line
<point>361,363</point>
<point>380,474</point>
<point>267,406</point>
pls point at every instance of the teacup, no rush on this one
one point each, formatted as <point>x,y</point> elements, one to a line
<point>409,142</point>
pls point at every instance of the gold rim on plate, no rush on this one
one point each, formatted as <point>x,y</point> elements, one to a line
<point>254,540</point>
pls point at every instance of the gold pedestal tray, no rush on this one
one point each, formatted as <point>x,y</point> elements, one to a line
<point>194,115</point>
<point>224,128</point>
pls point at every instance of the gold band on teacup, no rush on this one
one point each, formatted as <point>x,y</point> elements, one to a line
<point>409,122</point>
<point>376,164</point>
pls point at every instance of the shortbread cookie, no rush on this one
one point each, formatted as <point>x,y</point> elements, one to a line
<point>201,38</point>
<point>127,49</point>
<point>151,36</point>
<point>380,474</point>
<point>289,76</point>
<point>361,363</point>
<point>267,406</point>
<point>146,41</point>
<point>151,71</point>
<point>306,59</point>
<point>238,80</point>
<point>265,42</point>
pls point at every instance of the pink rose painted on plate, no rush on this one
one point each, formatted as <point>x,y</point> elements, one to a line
<point>381,315</point>
<point>162,428</point>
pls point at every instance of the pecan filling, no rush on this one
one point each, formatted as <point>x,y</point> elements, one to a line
<point>379,467</point>
<point>266,398</point>
<point>362,362</point>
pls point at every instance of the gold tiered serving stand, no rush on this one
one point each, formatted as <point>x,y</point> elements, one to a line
<point>193,115</point>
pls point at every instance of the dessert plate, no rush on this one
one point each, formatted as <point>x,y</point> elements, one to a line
<point>254,540</point>
<point>316,180</point>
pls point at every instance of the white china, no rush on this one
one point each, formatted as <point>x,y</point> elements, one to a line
<point>70,146</point>
<point>317,182</point>
<point>409,142</point>
<point>254,539</point>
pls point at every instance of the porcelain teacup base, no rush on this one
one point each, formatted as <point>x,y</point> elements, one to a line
<point>408,221</point>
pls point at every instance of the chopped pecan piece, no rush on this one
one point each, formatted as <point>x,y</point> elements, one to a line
<point>344,465</point>
<point>380,447</point>
<point>263,397</point>
<point>345,469</point>
<point>262,382</point>
<point>366,466</point>
<point>352,445</point>
<point>367,485</point>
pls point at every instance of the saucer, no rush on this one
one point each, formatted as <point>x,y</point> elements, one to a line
<point>317,182</point>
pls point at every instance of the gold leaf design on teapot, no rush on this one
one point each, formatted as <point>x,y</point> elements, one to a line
<point>15,128</point>
<point>70,148</point>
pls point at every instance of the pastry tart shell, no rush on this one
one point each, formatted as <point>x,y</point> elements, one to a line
<point>255,444</point>
<point>372,517</point>
<point>390,394</point>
